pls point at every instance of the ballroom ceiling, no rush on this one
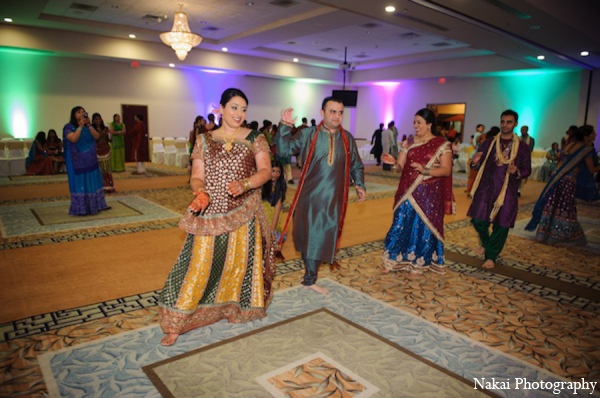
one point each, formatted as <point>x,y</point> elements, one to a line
<point>457,36</point>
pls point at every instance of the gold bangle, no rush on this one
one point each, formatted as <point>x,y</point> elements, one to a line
<point>246,183</point>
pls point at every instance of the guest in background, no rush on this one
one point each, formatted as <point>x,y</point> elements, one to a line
<point>392,126</point>
<point>38,162</point>
<point>568,136</point>
<point>478,134</point>
<point>226,264</point>
<point>456,148</point>
<point>54,148</point>
<point>552,158</point>
<point>415,241</point>
<point>377,149</point>
<point>273,196</point>
<point>388,145</point>
<point>198,128</point>
<point>137,133</point>
<point>103,152</point>
<point>555,213</point>
<point>530,142</point>
<point>210,126</point>
<point>85,179</point>
<point>117,131</point>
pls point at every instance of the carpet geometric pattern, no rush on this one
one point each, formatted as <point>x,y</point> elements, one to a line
<point>53,217</point>
<point>342,359</point>
<point>112,366</point>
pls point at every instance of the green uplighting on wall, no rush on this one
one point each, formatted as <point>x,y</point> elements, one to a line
<point>21,71</point>
<point>531,95</point>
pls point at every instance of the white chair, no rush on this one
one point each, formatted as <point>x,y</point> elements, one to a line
<point>158,150</point>
<point>538,157</point>
<point>4,165</point>
<point>464,155</point>
<point>170,151</point>
<point>17,155</point>
<point>182,158</point>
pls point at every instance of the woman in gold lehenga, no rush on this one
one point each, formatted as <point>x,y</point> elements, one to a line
<point>225,267</point>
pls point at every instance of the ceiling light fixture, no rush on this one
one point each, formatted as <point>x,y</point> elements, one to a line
<point>541,57</point>
<point>132,36</point>
<point>180,38</point>
<point>584,53</point>
<point>8,20</point>
<point>295,59</point>
<point>224,49</point>
<point>390,9</point>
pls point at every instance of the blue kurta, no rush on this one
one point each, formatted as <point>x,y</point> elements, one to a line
<point>85,179</point>
<point>317,214</point>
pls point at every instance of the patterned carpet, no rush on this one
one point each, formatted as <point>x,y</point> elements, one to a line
<point>539,307</point>
<point>386,348</point>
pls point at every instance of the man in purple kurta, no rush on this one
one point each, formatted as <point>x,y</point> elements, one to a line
<point>502,164</point>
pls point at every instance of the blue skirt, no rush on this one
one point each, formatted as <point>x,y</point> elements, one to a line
<point>410,245</point>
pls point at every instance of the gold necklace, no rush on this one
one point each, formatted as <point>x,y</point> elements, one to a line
<point>228,139</point>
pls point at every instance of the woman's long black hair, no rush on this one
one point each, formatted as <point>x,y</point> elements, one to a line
<point>280,186</point>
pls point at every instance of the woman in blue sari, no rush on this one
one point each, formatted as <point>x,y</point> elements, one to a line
<point>85,179</point>
<point>555,213</point>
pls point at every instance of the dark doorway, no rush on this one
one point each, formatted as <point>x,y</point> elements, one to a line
<point>129,112</point>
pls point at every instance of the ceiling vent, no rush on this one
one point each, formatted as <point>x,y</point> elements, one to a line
<point>440,44</point>
<point>210,28</point>
<point>361,56</point>
<point>409,35</point>
<point>83,7</point>
<point>154,18</point>
<point>329,50</point>
<point>370,25</point>
<point>285,3</point>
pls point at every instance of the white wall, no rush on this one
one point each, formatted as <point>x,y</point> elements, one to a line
<point>548,103</point>
<point>174,96</point>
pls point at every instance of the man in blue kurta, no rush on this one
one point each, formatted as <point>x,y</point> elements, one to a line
<point>503,162</point>
<point>331,162</point>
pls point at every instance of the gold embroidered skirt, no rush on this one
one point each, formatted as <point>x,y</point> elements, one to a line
<point>218,277</point>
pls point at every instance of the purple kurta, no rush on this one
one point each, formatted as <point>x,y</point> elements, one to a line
<point>491,184</point>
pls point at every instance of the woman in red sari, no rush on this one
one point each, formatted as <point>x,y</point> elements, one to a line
<point>38,162</point>
<point>415,241</point>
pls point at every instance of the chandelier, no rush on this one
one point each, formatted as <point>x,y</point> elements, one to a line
<point>180,38</point>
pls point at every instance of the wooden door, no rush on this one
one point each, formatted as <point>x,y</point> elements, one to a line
<point>129,112</point>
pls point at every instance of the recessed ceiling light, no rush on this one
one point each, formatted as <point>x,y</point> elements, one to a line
<point>585,53</point>
<point>249,3</point>
<point>171,65</point>
<point>541,57</point>
<point>8,20</point>
<point>224,49</point>
<point>390,9</point>
<point>132,36</point>
<point>296,59</point>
